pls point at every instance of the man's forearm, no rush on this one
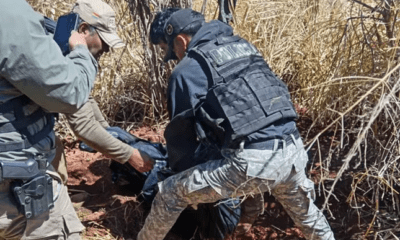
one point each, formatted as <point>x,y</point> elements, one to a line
<point>86,128</point>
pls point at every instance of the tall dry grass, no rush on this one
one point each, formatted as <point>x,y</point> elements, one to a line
<point>130,86</point>
<point>340,61</point>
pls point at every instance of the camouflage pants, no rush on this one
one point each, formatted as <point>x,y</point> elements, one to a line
<point>242,172</point>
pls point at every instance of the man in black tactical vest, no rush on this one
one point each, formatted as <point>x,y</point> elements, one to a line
<point>232,131</point>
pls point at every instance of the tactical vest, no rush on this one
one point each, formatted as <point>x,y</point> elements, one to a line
<point>246,95</point>
<point>13,110</point>
<point>19,122</point>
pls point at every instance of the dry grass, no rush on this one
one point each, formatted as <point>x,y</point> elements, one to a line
<point>339,59</point>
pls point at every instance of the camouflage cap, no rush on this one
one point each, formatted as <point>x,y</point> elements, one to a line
<point>101,16</point>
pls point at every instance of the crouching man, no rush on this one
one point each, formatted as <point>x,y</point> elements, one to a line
<point>238,105</point>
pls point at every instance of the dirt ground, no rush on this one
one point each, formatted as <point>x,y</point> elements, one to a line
<point>115,211</point>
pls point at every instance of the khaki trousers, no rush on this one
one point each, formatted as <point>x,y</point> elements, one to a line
<point>61,222</point>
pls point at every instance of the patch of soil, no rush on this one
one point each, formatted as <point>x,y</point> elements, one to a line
<point>108,210</point>
<point>116,211</point>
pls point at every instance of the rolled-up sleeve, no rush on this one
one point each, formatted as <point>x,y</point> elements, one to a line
<point>33,63</point>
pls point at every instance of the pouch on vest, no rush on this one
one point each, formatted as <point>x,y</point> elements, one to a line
<point>17,121</point>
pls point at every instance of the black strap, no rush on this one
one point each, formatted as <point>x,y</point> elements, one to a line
<point>11,105</point>
<point>22,122</point>
<point>30,140</point>
<point>49,25</point>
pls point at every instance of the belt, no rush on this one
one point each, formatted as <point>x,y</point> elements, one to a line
<point>269,144</point>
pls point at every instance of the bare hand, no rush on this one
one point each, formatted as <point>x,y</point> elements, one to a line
<point>76,39</point>
<point>141,161</point>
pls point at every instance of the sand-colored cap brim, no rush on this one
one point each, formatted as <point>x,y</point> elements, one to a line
<point>111,39</point>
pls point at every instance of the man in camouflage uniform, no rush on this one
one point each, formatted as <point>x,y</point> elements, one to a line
<point>224,94</point>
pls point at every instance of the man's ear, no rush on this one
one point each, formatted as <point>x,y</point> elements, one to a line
<point>181,43</point>
<point>84,28</point>
<point>183,40</point>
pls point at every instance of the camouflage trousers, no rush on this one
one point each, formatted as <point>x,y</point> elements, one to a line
<point>242,172</point>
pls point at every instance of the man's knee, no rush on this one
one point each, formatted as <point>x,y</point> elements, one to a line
<point>171,194</point>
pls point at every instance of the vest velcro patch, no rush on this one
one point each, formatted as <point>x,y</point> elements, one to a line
<point>232,51</point>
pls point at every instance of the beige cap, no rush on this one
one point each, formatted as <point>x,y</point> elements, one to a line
<point>101,16</point>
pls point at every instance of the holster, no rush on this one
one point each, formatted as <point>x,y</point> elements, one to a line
<point>31,186</point>
<point>35,196</point>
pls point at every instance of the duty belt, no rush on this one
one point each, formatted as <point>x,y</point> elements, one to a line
<point>270,144</point>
